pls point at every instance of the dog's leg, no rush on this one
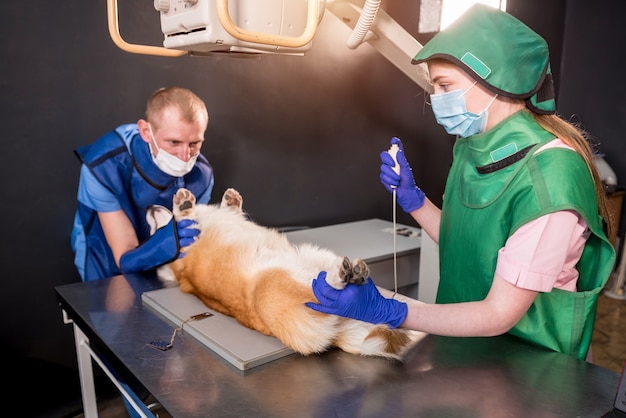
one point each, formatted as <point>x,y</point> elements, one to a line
<point>232,199</point>
<point>184,204</point>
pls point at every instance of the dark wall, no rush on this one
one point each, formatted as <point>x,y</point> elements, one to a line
<point>593,93</point>
<point>547,18</point>
<point>298,136</point>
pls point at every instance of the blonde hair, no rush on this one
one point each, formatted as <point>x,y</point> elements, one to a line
<point>191,107</point>
<point>577,138</point>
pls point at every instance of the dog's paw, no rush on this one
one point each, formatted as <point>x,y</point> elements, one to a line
<point>360,272</point>
<point>345,271</point>
<point>157,216</point>
<point>184,204</point>
<point>232,199</point>
<point>355,273</point>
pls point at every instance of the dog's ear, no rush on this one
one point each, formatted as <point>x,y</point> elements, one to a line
<point>157,216</point>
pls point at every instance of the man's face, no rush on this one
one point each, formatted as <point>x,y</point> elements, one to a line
<point>174,135</point>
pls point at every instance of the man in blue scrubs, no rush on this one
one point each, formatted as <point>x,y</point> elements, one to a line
<point>131,168</point>
<point>125,172</point>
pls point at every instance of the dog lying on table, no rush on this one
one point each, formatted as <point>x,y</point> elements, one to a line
<point>255,275</point>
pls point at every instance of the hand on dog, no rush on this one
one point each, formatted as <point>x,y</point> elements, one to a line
<point>188,232</point>
<point>361,302</point>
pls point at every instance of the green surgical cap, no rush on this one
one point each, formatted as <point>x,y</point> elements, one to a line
<point>498,51</point>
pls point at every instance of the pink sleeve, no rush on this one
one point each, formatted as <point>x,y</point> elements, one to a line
<point>542,254</point>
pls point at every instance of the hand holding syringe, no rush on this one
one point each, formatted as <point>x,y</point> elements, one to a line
<point>410,196</point>
<point>396,174</point>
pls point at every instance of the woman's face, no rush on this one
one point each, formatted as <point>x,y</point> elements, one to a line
<point>446,77</point>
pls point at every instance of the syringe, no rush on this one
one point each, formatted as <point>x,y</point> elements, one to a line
<point>393,151</point>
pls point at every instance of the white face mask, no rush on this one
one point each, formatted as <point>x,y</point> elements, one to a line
<point>171,164</point>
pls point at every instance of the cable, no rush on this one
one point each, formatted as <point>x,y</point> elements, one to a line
<point>395,248</point>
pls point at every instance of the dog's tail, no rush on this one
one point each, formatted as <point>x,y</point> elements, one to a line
<point>366,339</point>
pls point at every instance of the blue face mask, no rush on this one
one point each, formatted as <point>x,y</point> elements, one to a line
<point>451,112</point>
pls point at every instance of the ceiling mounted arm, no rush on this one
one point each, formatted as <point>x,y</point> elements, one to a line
<point>375,27</point>
<point>266,38</point>
<point>114,32</point>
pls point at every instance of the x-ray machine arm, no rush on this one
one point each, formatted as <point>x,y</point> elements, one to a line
<point>369,23</point>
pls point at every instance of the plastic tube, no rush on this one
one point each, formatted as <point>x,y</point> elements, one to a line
<point>370,9</point>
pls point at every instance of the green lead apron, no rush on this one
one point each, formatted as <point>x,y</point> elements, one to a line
<point>496,184</point>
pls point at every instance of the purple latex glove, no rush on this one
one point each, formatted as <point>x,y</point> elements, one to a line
<point>363,302</point>
<point>409,196</point>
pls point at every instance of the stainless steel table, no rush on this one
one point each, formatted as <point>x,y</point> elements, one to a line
<point>441,377</point>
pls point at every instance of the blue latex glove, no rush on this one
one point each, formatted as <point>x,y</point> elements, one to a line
<point>161,248</point>
<point>363,302</point>
<point>187,233</point>
<point>409,196</point>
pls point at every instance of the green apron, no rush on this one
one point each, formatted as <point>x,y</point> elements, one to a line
<point>497,184</point>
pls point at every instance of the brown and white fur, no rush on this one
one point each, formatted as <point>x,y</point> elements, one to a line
<point>255,275</point>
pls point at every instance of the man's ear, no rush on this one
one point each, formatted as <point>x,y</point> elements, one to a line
<point>144,130</point>
<point>157,217</point>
